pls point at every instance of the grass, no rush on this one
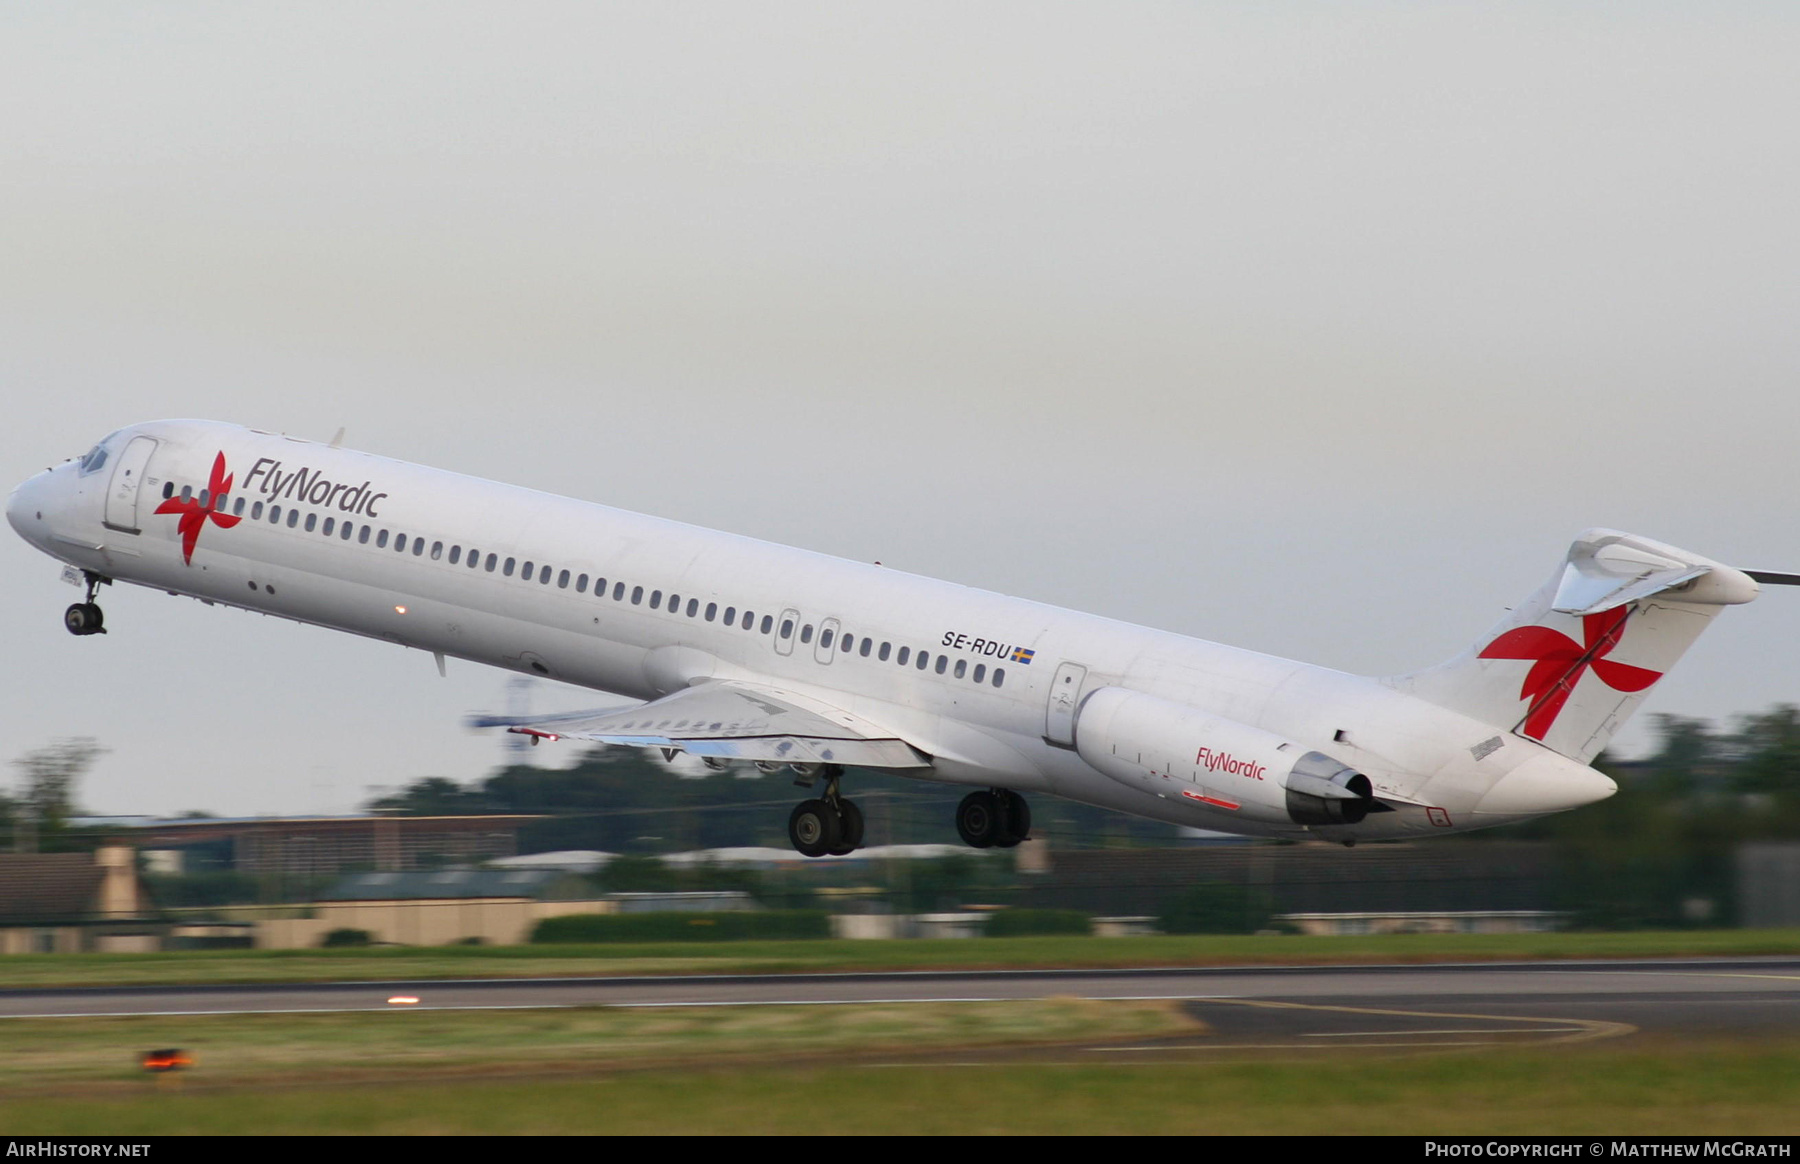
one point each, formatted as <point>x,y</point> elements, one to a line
<point>268,1050</point>
<point>1731,1089</point>
<point>393,963</point>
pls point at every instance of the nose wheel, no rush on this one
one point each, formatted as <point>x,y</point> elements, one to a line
<point>86,618</point>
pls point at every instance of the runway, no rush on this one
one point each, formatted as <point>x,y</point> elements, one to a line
<point>1314,1007</point>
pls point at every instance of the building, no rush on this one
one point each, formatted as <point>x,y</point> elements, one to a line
<point>1768,877</point>
<point>71,903</point>
<point>1404,878</point>
<point>491,906</point>
<point>325,846</point>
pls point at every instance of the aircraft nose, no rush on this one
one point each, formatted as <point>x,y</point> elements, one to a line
<point>1545,784</point>
<point>25,508</point>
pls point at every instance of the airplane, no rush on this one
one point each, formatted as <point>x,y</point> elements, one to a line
<point>746,651</point>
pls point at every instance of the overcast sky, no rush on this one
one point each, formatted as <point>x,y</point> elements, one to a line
<point>1313,328</point>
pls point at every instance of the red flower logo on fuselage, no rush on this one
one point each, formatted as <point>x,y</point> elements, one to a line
<point>195,515</point>
<point>1558,663</point>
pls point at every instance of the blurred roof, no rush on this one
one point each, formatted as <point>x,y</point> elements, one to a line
<point>445,883</point>
<point>756,855</point>
<point>563,860</point>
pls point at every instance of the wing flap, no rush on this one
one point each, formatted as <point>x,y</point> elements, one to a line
<point>732,721</point>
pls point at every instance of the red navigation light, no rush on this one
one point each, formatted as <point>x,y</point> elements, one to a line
<point>168,1059</point>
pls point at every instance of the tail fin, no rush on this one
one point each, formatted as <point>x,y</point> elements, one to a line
<point>1571,664</point>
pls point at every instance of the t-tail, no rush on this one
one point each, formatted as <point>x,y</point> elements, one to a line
<point>1570,664</point>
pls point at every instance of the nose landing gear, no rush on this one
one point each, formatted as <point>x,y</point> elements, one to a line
<point>998,819</point>
<point>828,824</point>
<point>85,617</point>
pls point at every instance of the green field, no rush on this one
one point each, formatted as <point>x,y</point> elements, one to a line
<point>1616,1087</point>
<point>64,1056</point>
<point>391,963</point>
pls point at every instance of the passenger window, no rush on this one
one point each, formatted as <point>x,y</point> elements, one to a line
<point>599,588</point>
<point>637,595</point>
<point>980,672</point>
<point>437,551</point>
<point>205,499</point>
<point>168,490</point>
<point>581,584</point>
<point>618,591</point>
<point>330,523</point>
<point>730,615</point>
<point>399,543</point>
<point>848,642</point>
<point>362,537</point>
<point>543,575</point>
<point>345,530</point>
<point>864,649</point>
<point>767,622</point>
<point>418,546</point>
<point>924,660</point>
<point>528,570</point>
<point>712,611</point>
<point>962,668</point>
<point>693,610</point>
<point>825,639</point>
<point>787,628</point>
<point>312,520</point>
<point>256,511</point>
<point>293,518</point>
<point>674,604</point>
<point>905,652</point>
<point>187,492</point>
<point>806,633</point>
<point>491,560</point>
<point>237,507</point>
<point>456,555</point>
<point>274,515</point>
<point>943,661</point>
<point>511,565</point>
<point>749,620</point>
<point>656,600</point>
<point>999,676</point>
<point>562,580</point>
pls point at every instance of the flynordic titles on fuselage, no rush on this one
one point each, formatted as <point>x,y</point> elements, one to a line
<point>312,487</point>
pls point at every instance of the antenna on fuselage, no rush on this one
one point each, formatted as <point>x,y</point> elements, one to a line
<point>338,440</point>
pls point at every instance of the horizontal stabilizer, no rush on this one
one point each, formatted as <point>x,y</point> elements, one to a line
<point>730,721</point>
<point>1774,577</point>
<point>1614,569</point>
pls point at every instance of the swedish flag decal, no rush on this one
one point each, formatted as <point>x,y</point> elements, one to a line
<point>1022,654</point>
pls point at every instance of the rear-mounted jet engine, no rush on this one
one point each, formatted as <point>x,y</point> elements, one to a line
<point>1172,750</point>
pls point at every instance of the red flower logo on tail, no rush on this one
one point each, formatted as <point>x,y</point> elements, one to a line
<point>1558,663</point>
<point>194,515</point>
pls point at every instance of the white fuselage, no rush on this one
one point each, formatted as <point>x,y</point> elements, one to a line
<point>1012,733</point>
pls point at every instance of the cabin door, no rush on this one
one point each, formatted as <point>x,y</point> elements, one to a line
<point>128,474</point>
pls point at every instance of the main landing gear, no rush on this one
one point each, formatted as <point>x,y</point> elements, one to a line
<point>989,819</point>
<point>828,824</point>
<point>996,819</point>
<point>85,617</point>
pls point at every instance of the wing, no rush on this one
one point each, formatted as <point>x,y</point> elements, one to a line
<point>732,721</point>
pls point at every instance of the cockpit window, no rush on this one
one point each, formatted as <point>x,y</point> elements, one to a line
<point>96,456</point>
